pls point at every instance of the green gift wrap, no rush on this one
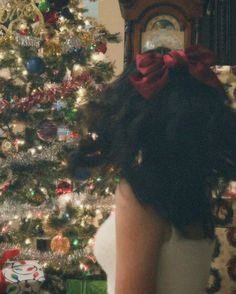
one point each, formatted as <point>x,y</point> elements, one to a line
<point>86,287</point>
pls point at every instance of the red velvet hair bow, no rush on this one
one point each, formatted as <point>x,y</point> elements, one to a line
<point>153,69</point>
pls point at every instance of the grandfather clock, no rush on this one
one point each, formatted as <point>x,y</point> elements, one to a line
<point>176,24</point>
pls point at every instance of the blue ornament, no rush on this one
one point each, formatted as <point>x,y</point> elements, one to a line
<point>35,65</point>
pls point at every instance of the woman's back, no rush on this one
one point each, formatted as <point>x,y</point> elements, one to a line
<point>184,264</point>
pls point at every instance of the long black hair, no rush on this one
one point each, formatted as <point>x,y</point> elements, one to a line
<point>174,150</point>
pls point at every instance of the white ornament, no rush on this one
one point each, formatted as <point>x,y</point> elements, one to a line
<point>99,57</point>
<point>65,199</point>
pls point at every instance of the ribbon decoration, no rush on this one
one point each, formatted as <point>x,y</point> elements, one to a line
<point>153,69</point>
<point>8,254</point>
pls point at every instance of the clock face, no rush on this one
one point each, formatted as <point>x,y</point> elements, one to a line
<point>163,31</point>
<point>163,21</point>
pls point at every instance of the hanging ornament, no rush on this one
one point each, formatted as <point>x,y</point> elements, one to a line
<point>77,70</point>
<point>65,199</point>
<point>60,245</point>
<point>101,47</point>
<point>51,17</point>
<point>74,136</point>
<point>47,131</point>
<point>44,6</point>
<point>23,30</point>
<point>99,57</point>
<point>35,65</point>
<point>64,187</point>
<point>7,147</point>
<point>18,126</point>
<point>52,48</point>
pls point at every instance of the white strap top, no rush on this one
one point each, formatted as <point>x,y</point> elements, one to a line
<point>183,267</point>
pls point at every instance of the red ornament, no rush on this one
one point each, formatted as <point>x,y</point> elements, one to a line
<point>74,135</point>
<point>64,187</point>
<point>24,32</point>
<point>51,17</point>
<point>101,48</point>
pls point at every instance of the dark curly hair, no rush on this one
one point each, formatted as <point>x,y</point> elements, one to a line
<point>174,150</point>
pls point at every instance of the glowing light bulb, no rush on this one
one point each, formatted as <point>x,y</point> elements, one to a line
<point>81,93</point>
<point>87,22</point>
<point>29,215</point>
<point>32,151</point>
<point>83,267</point>
<point>27,241</point>
<point>4,229</point>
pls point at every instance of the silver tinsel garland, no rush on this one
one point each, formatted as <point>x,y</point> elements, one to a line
<point>27,41</point>
<point>14,211</point>
<point>27,158</point>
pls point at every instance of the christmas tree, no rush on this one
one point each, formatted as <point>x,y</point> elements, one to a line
<point>52,58</point>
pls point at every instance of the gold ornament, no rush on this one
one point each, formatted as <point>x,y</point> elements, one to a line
<point>18,126</point>
<point>60,245</point>
<point>77,70</point>
<point>52,49</point>
<point>85,38</point>
<point>4,40</point>
<point>7,147</point>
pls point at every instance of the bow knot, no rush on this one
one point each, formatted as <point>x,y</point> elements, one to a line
<point>153,69</point>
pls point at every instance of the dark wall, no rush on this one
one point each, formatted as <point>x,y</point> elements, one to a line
<point>233,34</point>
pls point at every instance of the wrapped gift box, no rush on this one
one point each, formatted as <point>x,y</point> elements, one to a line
<point>86,287</point>
<point>23,277</point>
